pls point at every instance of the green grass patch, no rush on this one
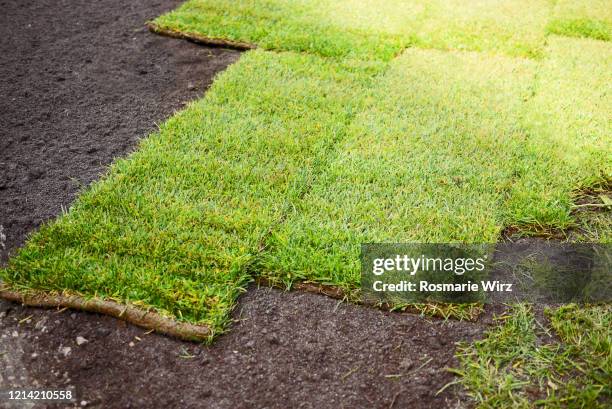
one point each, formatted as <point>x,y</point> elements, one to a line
<point>368,28</point>
<point>453,147</point>
<point>524,363</point>
<point>568,120</point>
<point>428,160</point>
<point>512,27</point>
<point>177,225</point>
<point>579,18</point>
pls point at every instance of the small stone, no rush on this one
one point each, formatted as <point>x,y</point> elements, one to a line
<point>191,86</point>
<point>34,355</point>
<point>433,342</point>
<point>66,351</point>
<point>15,334</point>
<point>273,339</point>
<point>250,344</point>
<point>73,316</point>
<point>84,403</point>
<point>80,340</point>
<point>406,364</point>
<point>131,344</point>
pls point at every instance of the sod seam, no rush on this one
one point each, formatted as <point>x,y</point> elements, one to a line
<point>370,29</point>
<point>436,310</point>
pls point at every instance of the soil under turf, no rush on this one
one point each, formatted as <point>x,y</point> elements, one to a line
<point>82,82</point>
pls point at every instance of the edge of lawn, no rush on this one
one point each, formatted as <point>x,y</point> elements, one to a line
<point>146,318</point>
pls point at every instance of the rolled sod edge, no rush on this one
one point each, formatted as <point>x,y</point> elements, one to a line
<point>198,38</point>
<point>134,315</point>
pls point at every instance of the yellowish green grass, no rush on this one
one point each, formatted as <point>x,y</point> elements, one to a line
<point>454,147</point>
<point>513,27</point>
<point>579,18</point>
<point>369,28</point>
<point>568,118</point>
<point>430,159</point>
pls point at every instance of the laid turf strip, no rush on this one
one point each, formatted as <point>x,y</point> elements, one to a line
<point>428,160</point>
<point>569,122</point>
<point>177,224</point>
<point>369,28</point>
<point>454,147</point>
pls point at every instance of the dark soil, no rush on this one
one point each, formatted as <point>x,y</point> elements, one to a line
<point>81,82</point>
<point>285,350</point>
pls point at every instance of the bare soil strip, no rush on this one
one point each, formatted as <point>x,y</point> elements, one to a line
<point>285,349</point>
<point>339,293</point>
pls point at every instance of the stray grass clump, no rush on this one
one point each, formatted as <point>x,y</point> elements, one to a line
<point>524,364</point>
